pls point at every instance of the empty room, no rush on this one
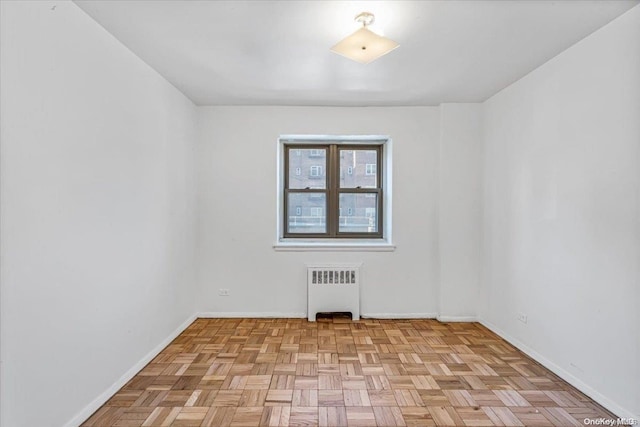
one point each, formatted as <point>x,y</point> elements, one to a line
<point>319,213</point>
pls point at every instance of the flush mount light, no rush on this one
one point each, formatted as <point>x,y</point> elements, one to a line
<point>364,45</point>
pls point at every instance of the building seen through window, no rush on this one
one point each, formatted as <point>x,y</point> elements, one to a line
<point>333,191</point>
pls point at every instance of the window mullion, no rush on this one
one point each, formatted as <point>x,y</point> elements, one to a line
<point>333,178</point>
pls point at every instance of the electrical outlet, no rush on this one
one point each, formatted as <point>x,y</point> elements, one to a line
<point>522,317</point>
<point>223,292</point>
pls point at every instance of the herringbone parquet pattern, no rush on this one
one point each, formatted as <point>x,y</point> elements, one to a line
<point>335,372</point>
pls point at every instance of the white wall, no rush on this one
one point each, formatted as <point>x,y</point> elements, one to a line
<point>98,222</point>
<point>237,208</point>
<point>561,227</point>
<point>460,210</point>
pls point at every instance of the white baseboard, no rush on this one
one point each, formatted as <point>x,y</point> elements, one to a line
<point>276,314</point>
<point>399,315</point>
<point>88,410</point>
<point>270,314</point>
<point>451,319</point>
<point>250,314</point>
<point>562,373</point>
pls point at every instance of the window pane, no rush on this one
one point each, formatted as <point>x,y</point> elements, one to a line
<point>358,168</point>
<point>358,213</point>
<point>307,168</point>
<point>312,209</point>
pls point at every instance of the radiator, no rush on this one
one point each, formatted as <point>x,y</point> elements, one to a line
<point>333,288</point>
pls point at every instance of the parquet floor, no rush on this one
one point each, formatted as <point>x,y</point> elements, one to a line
<point>335,372</point>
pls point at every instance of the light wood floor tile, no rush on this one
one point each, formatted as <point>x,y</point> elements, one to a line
<point>332,416</point>
<point>388,416</point>
<point>511,398</point>
<point>247,417</point>
<point>502,416</point>
<point>417,416</point>
<point>329,382</point>
<point>382,398</point>
<point>228,398</point>
<point>474,417</point>
<point>253,398</point>
<point>445,416</point>
<point>218,416</point>
<point>161,417</point>
<point>275,416</point>
<point>532,417</point>
<point>360,417</point>
<point>305,416</point>
<point>408,398</point>
<point>330,398</point>
<point>279,398</point>
<point>305,398</point>
<point>356,398</point>
<point>190,416</point>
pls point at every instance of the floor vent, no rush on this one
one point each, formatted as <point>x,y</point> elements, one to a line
<point>333,288</point>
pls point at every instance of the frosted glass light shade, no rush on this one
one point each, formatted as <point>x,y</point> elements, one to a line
<point>364,46</point>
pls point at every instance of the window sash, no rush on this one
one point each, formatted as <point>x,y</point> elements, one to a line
<point>333,190</point>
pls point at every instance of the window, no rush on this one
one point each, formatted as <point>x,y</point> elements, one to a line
<point>328,192</point>
<point>298,170</point>
<point>315,171</point>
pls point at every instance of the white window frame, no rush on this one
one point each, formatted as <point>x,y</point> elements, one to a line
<point>370,169</point>
<point>364,244</point>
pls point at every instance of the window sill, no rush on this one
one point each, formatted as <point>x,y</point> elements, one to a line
<point>297,245</point>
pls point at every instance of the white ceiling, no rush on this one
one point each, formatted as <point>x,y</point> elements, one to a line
<point>265,52</point>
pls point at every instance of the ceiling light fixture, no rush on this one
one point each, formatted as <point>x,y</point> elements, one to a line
<point>364,45</point>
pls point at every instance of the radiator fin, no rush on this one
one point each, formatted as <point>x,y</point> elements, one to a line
<point>333,276</point>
